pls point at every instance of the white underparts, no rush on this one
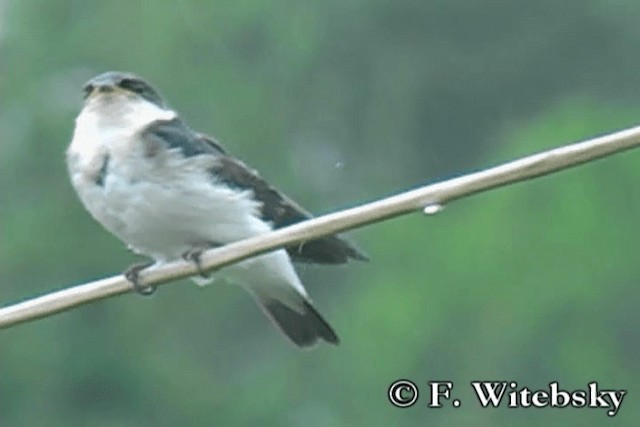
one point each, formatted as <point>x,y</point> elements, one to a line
<point>166,204</point>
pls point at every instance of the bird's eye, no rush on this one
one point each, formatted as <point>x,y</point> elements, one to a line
<point>141,88</point>
<point>132,85</point>
<point>88,88</point>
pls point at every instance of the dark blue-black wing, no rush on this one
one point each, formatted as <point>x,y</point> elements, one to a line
<point>277,208</point>
<point>177,135</point>
<point>281,211</point>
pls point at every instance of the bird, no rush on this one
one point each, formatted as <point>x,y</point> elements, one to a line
<point>169,192</point>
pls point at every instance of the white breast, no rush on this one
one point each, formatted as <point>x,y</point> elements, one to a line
<point>160,205</point>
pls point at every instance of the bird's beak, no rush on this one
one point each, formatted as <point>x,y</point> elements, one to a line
<point>104,89</point>
<point>93,92</point>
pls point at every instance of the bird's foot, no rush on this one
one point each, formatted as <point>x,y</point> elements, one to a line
<point>133,275</point>
<point>194,255</point>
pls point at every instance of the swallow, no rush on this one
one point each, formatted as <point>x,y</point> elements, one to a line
<point>169,192</point>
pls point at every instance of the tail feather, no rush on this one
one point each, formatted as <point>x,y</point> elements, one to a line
<point>273,282</point>
<point>304,328</point>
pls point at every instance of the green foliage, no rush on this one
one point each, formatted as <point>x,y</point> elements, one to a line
<point>336,102</point>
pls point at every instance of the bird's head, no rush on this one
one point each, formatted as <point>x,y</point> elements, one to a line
<point>114,86</point>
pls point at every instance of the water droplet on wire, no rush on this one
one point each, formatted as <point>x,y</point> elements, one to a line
<point>432,209</point>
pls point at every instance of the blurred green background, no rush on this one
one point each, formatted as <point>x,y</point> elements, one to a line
<point>337,102</point>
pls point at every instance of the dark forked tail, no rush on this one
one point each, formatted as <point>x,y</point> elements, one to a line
<point>303,328</point>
